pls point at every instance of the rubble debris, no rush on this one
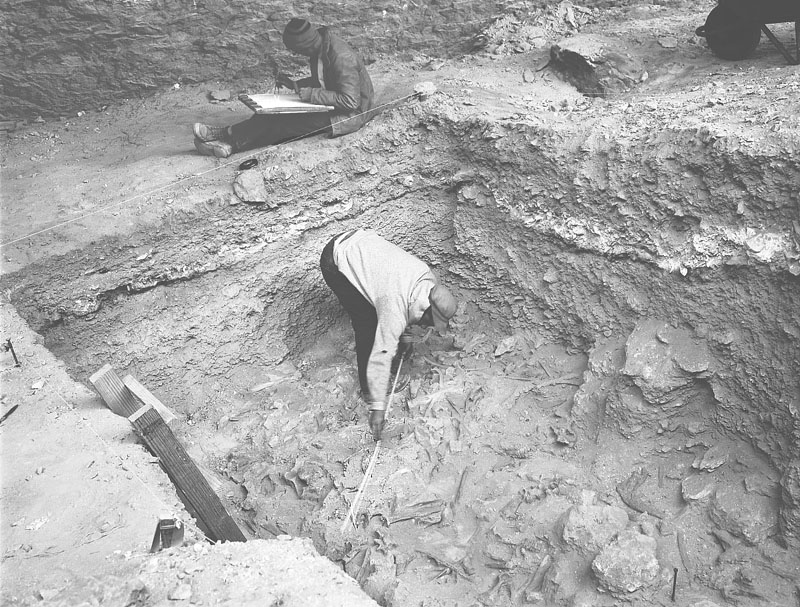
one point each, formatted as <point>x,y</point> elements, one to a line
<point>590,526</point>
<point>220,95</point>
<point>664,361</point>
<point>628,563</point>
<point>521,30</point>
<point>697,488</point>
<point>596,65</point>
<point>712,459</point>
<point>750,517</point>
<point>423,90</point>
<point>310,480</point>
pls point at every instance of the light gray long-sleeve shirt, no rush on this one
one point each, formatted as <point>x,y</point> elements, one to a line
<point>397,283</point>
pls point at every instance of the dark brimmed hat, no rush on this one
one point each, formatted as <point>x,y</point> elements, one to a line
<point>443,306</point>
<point>300,34</point>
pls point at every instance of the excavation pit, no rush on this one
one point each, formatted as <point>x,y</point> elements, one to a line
<point>615,398</point>
<point>618,395</point>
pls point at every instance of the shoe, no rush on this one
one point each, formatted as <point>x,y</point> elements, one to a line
<point>220,149</point>
<point>206,132</point>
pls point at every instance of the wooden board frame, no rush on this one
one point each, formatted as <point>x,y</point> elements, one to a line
<point>158,437</point>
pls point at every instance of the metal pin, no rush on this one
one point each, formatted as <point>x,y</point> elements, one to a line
<point>7,413</point>
<point>8,347</point>
<point>674,581</point>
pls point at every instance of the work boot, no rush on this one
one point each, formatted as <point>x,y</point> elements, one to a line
<point>206,132</point>
<point>220,149</point>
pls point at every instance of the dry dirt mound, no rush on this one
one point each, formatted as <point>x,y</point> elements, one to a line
<point>261,573</point>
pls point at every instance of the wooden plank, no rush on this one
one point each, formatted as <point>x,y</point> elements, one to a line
<point>147,397</point>
<point>173,457</point>
<point>185,474</point>
<point>110,390</point>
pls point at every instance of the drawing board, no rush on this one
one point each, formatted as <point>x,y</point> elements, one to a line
<point>274,103</point>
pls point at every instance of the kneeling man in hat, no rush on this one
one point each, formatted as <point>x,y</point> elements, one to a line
<point>384,289</point>
<point>338,78</point>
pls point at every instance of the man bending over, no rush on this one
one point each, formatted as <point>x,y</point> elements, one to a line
<point>384,289</point>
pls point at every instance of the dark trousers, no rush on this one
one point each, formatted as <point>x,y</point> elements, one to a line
<point>363,316</point>
<point>268,129</point>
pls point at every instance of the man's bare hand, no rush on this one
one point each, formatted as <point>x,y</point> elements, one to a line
<point>376,420</point>
<point>305,93</point>
<point>286,82</point>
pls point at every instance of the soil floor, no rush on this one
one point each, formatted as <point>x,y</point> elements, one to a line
<point>478,466</point>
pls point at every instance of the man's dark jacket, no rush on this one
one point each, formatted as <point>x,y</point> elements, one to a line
<point>348,87</point>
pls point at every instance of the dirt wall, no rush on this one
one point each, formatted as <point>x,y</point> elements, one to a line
<point>63,57</point>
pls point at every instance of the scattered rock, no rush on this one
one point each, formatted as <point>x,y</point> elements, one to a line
<point>747,516</point>
<point>249,187</point>
<point>310,480</point>
<point>668,41</point>
<point>550,276</point>
<point>740,579</point>
<point>99,590</point>
<point>628,563</point>
<point>528,75</point>
<point>563,433</point>
<point>180,592</point>
<point>506,345</point>
<point>590,527</point>
<point>469,192</point>
<point>712,459</point>
<point>220,95</point>
<point>423,90</point>
<point>697,488</point>
<point>45,594</point>
<point>663,361</point>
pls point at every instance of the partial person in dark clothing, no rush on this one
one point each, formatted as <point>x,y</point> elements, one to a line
<point>385,290</point>
<point>338,78</point>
